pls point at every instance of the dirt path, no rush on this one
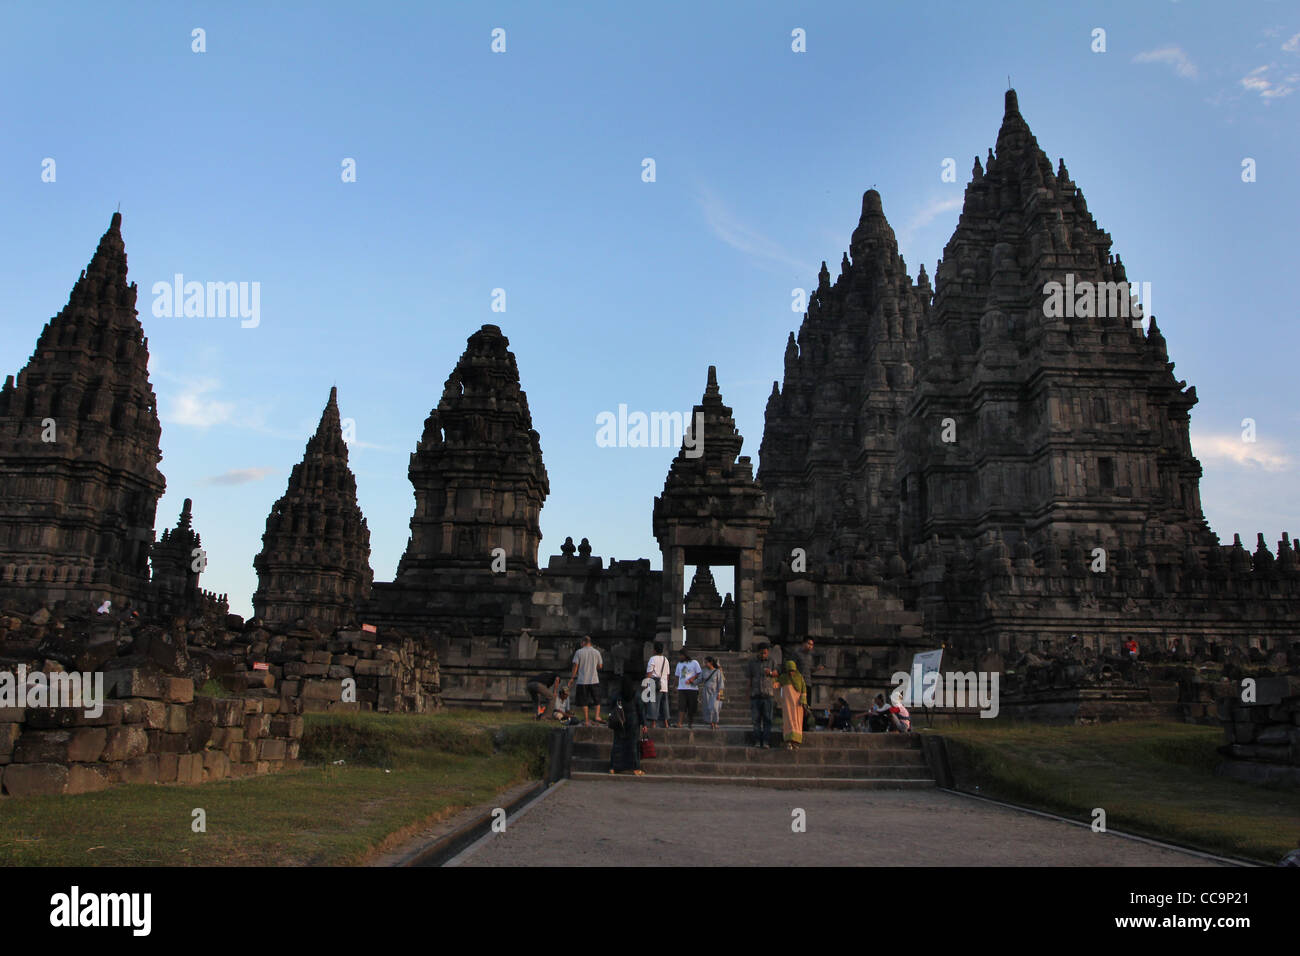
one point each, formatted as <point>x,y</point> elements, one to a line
<point>630,822</point>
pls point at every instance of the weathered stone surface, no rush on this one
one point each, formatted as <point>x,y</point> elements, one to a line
<point>189,768</point>
<point>9,734</point>
<point>175,721</point>
<point>133,682</point>
<point>34,779</point>
<point>142,769</point>
<point>271,749</point>
<point>87,778</point>
<point>179,690</point>
<point>322,690</point>
<point>216,765</point>
<point>43,746</point>
<point>87,744</point>
<point>286,726</point>
<point>168,767</point>
<point>125,742</point>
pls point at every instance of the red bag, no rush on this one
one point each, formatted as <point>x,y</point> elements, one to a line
<point>648,748</point>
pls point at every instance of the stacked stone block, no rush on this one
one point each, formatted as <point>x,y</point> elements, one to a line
<point>1263,737</point>
<point>152,730</point>
<point>393,673</point>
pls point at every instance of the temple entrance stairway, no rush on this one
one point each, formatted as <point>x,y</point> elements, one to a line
<point>826,760</point>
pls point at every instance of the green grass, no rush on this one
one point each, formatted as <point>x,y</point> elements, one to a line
<point>1152,779</point>
<point>401,773</point>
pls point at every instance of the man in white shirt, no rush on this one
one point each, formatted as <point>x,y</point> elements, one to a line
<point>657,669</point>
<point>688,695</point>
<point>586,673</point>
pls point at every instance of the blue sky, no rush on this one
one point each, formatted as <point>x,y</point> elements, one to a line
<point>522,171</point>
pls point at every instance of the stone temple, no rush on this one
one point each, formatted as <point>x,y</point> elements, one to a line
<point>79,454</point>
<point>956,465</point>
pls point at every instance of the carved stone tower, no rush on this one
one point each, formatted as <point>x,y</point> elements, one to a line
<point>315,558</point>
<point>712,512</point>
<point>79,452</point>
<point>480,484</point>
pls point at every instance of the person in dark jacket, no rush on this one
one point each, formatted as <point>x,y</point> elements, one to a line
<point>626,718</point>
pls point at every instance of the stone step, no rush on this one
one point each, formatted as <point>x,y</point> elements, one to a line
<point>692,768</point>
<point>752,756</point>
<point>777,783</point>
<point>739,736</point>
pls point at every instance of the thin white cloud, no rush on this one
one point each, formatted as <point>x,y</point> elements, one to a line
<point>933,210</point>
<point>1257,81</point>
<point>1172,56</point>
<point>1232,449</point>
<point>194,406</point>
<point>730,229</point>
<point>240,476</point>
<point>1292,45</point>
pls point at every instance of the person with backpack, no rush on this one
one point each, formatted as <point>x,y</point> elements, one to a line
<point>626,719</point>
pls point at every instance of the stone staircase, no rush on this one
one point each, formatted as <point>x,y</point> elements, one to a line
<point>826,760</point>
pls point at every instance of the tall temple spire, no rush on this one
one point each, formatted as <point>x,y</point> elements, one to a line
<point>853,363</point>
<point>79,447</point>
<point>1024,231</point>
<point>315,557</point>
<point>478,473</point>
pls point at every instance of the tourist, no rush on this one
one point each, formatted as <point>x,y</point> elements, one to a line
<point>542,689</point>
<point>841,718</point>
<point>658,669</point>
<point>711,686</point>
<point>878,716</point>
<point>625,722</point>
<point>1131,647</point>
<point>688,695</point>
<point>587,663</point>
<point>803,659</point>
<point>563,706</point>
<point>761,674</point>
<point>794,701</point>
<point>900,720</point>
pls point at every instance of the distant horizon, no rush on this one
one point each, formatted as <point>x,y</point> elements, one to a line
<point>515,180</point>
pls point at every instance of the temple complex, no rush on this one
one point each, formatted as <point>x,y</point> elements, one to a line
<point>964,466</point>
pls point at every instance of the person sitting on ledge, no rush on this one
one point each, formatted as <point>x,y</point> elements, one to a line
<point>563,706</point>
<point>900,720</point>
<point>878,716</point>
<point>841,717</point>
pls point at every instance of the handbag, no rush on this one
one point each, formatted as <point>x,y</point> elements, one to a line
<point>648,748</point>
